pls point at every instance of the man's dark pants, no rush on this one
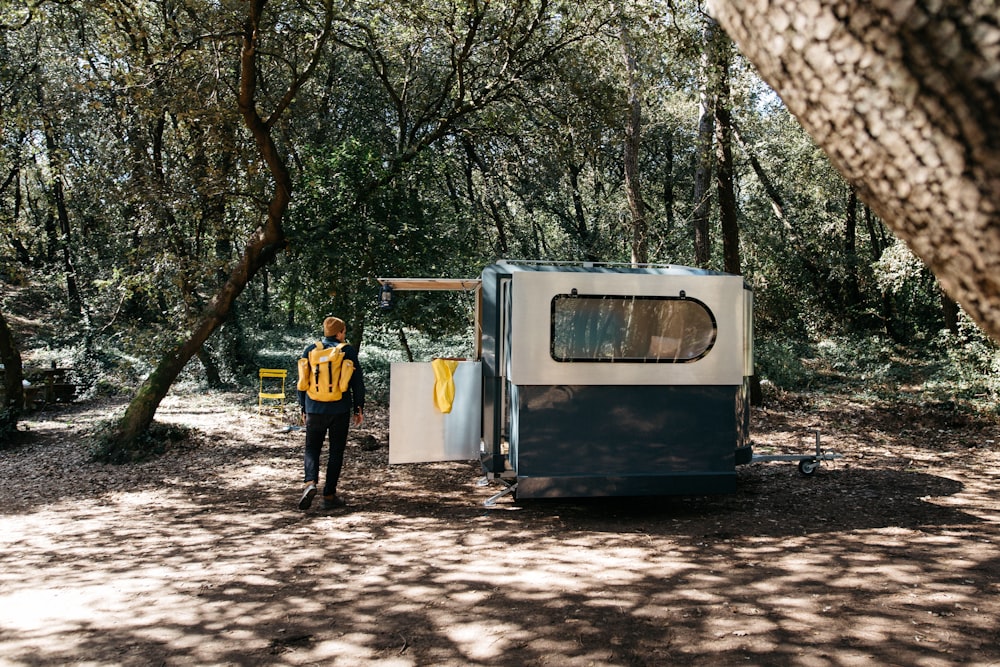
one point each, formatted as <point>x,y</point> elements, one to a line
<point>317,428</point>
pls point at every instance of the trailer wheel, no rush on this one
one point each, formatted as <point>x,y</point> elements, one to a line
<point>807,467</point>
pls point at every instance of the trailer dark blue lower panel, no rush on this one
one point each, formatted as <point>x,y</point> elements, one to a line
<point>625,440</point>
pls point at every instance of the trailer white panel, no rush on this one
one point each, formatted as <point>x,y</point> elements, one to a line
<point>418,431</point>
<point>722,300</point>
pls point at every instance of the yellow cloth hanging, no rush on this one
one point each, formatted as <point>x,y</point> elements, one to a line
<point>444,384</point>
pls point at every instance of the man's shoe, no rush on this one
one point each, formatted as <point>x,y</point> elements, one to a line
<point>307,497</point>
<point>333,502</point>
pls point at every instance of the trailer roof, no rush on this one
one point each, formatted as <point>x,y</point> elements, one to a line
<point>508,265</point>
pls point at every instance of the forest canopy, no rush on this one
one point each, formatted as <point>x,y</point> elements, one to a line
<point>177,177</point>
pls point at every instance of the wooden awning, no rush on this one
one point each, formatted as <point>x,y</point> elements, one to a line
<point>438,284</point>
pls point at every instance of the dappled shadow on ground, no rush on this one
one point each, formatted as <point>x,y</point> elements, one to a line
<point>836,500</point>
<point>200,558</point>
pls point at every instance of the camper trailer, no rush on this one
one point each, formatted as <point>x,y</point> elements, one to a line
<point>590,380</point>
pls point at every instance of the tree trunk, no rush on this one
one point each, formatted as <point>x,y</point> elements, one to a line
<point>265,299</point>
<point>878,244</point>
<point>405,343</point>
<point>904,97</point>
<point>668,186</point>
<point>293,293</point>
<point>49,225</point>
<point>777,202</point>
<point>876,240</point>
<point>949,310</point>
<point>10,216</point>
<point>725,183</point>
<point>852,295</point>
<point>213,378</point>
<point>13,376</point>
<point>633,135</point>
<point>704,156</point>
<point>74,302</point>
<point>503,247</point>
<point>579,214</point>
<point>262,247</point>
<point>724,158</point>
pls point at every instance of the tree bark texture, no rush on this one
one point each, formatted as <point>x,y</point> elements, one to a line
<point>13,374</point>
<point>704,157</point>
<point>852,286</point>
<point>668,185</point>
<point>74,301</point>
<point>904,96</point>
<point>633,135</point>
<point>474,159</point>
<point>579,215</point>
<point>724,178</point>
<point>777,202</point>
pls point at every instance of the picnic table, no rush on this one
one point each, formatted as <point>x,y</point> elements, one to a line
<point>47,385</point>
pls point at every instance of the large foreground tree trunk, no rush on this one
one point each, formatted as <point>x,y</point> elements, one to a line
<point>264,244</point>
<point>904,96</point>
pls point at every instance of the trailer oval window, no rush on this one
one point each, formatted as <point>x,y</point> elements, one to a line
<point>643,329</point>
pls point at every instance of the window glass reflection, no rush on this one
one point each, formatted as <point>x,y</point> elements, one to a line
<point>630,328</point>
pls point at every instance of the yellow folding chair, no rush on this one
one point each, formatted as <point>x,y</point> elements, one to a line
<point>275,373</point>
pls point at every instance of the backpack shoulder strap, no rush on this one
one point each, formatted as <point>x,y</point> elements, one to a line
<point>315,369</point>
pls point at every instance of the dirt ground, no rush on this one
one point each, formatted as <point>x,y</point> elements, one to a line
<point>888,556</point>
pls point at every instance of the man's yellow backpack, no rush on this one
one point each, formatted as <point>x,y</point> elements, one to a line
<point>326,374</point>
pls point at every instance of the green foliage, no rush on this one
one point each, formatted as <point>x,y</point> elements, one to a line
<point>113,369</point>
<point>969,366</point>
<point>780,362</point>
<point>866,363</point>
<point>280,348</point>
<point>383,347</point>
<point>405,229</point>
<point>913,291</point>
<point>961,370</point>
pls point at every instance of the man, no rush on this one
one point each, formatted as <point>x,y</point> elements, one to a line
<point>331,386</point>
